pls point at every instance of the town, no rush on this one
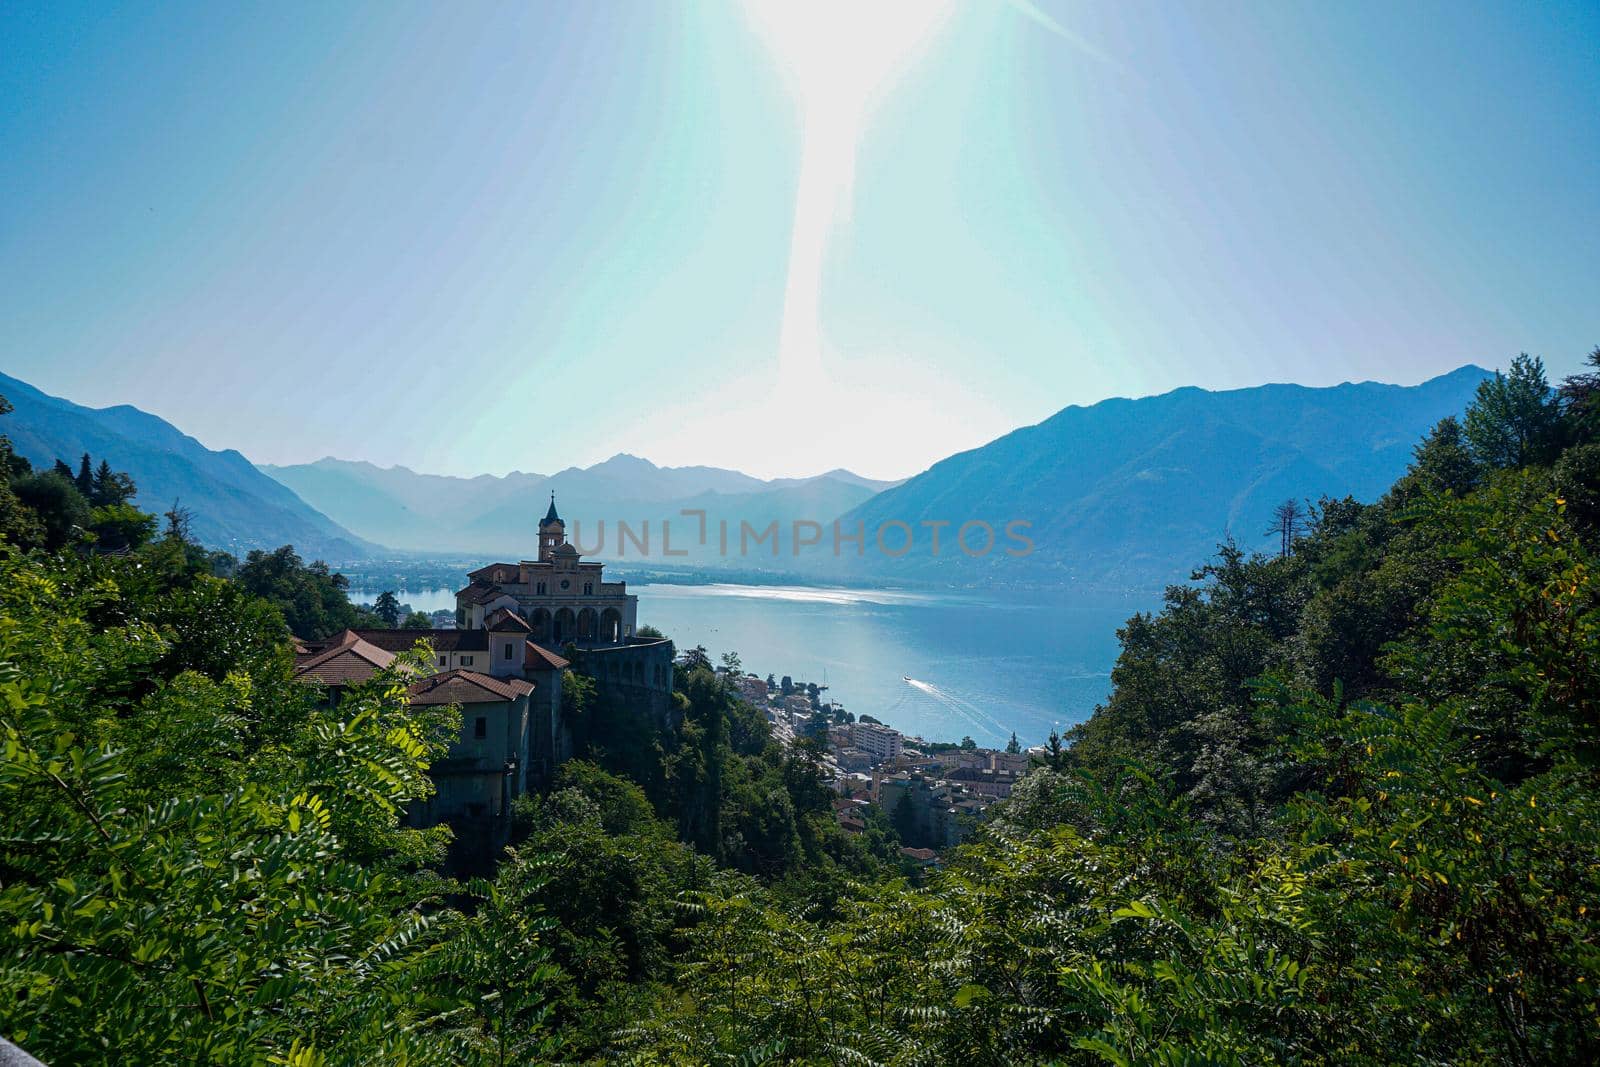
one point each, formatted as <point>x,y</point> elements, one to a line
<point>936,793</point>
<point>496,659</point>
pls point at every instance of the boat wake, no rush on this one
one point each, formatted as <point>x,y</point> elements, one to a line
<point>968,711</point>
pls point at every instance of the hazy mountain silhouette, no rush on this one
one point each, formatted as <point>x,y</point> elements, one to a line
<point>426,512</point>
<point>1134,491</point>
<point>234,505</point>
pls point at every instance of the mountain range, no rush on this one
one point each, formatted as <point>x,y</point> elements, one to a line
<point>1124,492</point>
<point>234,506</point>
<point>436,513</point>
<point>1131,492</point>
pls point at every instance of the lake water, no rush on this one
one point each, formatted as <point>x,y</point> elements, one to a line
<point>938,665</point>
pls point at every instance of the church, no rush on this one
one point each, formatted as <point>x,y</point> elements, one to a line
<point>500,668</point>
<point>564,599</point>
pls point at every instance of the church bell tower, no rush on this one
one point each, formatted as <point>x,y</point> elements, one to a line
<point>552,532</point>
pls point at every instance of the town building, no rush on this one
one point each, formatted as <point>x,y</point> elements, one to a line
<point>497,664</point>
<point>882,743</point>
<point>943,813</point>
<point>752,688</point>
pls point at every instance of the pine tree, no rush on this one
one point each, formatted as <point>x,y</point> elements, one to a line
<point>85,480</point>
<point>388,609</point>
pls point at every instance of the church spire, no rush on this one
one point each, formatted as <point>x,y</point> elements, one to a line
<point>552,532</point>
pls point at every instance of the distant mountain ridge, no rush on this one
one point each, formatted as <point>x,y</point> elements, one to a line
<point>435,513</point>
<point>1123,492</point>
<point>1135,492</point>
<point>234,505</point>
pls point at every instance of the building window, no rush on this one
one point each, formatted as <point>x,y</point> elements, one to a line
<point>565,584</point>
<point>541,589</point>
<point>508,650</point>
<point>588,589</point>
<point>444,661</point>
<point>480,729</point>
<point>466,661</point>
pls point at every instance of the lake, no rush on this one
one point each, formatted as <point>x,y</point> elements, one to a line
<point>941,665</point>
<point>938,665</point>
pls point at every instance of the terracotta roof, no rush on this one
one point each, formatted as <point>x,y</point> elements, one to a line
<point>438,640</point>
<point>480,592</point>
<point>467,687</point>
<point>504,620</point>
<point>486,572</point>
<point>539,658</point>
<point>346,659</point>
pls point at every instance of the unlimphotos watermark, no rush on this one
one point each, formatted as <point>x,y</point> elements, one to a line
<point>734,538</point>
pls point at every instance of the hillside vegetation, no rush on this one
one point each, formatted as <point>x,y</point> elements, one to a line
<point>1341,807</point>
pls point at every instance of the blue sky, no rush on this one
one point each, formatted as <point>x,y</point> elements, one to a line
<point>471,238</point>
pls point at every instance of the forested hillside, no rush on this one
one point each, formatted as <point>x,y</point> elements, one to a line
<point>1341,807</point>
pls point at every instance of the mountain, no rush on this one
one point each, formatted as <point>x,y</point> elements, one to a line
<point>1131,492</point>
<point>437,513</point>
<point>234,505</point>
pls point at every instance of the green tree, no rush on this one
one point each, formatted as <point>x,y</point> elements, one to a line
<point>1515,420</point>
<point>109,488</point>
<point>119,527</point>
<point>313,601</point>
<point>178,885</point>
<point>417,620</point>
<point>60,510</point>
<point>387,608</point>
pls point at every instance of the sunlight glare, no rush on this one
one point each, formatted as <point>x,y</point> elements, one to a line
<point>838,58</point>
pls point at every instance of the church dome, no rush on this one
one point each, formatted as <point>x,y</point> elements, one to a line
<point>566,551</point>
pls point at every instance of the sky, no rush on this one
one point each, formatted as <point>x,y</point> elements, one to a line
<point>781,238</point>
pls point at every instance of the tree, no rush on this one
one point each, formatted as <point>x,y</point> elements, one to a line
<point>904,818</point>
<point>62,512</point>
<point>183,848</point>
<point>1013,746</point>
<point>968,743</point>
<point>1515,420</point>
<point>1441,463</point>
<point>119,527</point>
<point>1287,518</point>
<point>180,524</point>
<point>387,608</point>
<point>109,488</point>
<point>417,620</point>
<point>1580,400</point>
<point>313,601</point>
<point>1055,754</point>
<point>731,663</point>
<point>85,478</point>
